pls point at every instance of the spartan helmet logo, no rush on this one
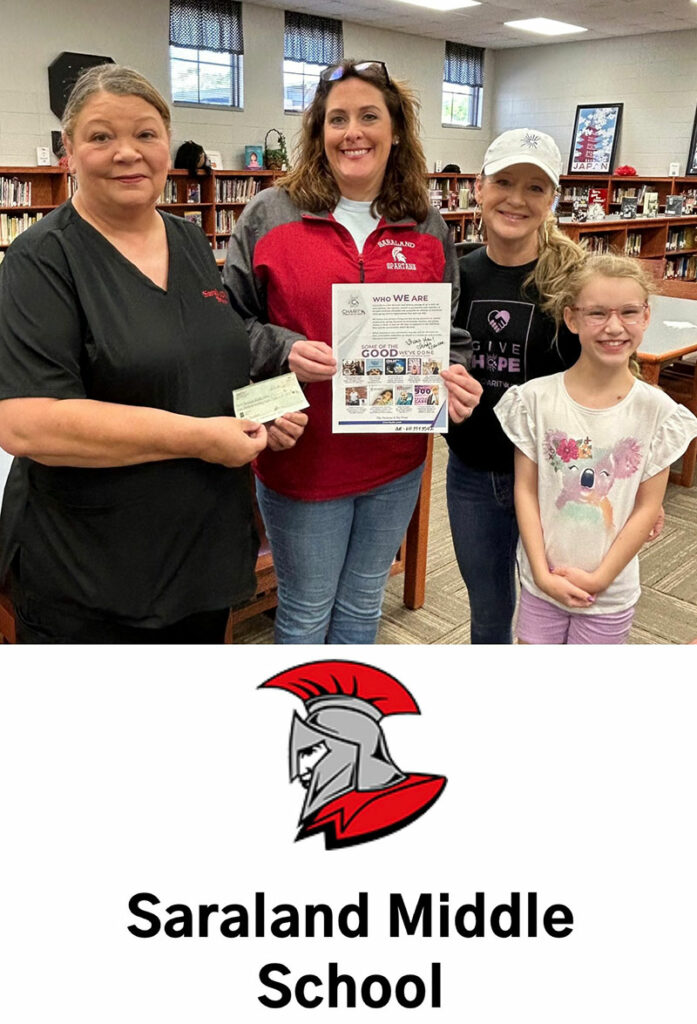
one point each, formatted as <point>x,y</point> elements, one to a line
<point>354,790</point>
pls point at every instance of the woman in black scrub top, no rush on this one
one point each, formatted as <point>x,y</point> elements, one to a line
<point>127,513</point>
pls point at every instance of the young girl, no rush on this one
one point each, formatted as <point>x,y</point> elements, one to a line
<point>593,449</point>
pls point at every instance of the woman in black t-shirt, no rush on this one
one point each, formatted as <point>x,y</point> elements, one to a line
<point>505,290</point>
<point>127,513</point>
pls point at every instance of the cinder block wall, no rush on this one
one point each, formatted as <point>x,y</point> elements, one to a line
<point>136,33</point>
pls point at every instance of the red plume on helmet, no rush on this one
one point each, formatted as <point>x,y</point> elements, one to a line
<point>350,678</point>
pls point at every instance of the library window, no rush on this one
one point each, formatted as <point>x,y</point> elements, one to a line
<point>463,79</point>
<point>206,52</point>
<point>311,44</point>
<point>299,82</point>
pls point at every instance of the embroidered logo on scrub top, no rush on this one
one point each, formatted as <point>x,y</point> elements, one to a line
<point>218,294</point>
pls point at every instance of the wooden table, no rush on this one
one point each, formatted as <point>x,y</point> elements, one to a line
<point>670,336</point>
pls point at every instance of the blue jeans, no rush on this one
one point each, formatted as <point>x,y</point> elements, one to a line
<point>485,535</point>
<point>333,558</point>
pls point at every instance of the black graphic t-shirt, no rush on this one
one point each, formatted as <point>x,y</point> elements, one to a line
<point>513,342</point>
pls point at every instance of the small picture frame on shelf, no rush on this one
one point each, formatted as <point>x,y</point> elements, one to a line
<point>579,210</point>
<point>253,158</point>
<point>674,205</point>
<point>692,156</point>
<point>650,208</point>
<point>628,207</point>
<point>215,159</point>
<point>595,137</point>
<point>194,217</point>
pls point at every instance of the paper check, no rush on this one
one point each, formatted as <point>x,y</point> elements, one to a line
<point>269,399</point>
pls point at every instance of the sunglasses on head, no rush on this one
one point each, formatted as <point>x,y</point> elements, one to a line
<point>335,72</point>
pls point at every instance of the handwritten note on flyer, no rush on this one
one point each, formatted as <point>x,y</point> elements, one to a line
<point>390,342</point>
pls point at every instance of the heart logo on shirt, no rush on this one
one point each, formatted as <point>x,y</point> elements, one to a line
<point>498,319</point>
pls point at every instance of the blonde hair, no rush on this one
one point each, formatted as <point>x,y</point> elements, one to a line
<point>608,264</point>
<point>558,257</point>
<point>403,193</point>
<point>116,79</point>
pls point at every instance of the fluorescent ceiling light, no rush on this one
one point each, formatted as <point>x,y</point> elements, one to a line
<point>444,5</point>
<point>545,26</point>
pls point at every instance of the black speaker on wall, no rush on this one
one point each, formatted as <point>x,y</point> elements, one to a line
<point>64,72</point>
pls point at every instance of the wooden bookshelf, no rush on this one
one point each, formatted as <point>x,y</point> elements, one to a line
<point>218,199</point>
<point>577,186</point>
<point>656,239</point>
<point>232,191</point>
<point>459,219</point>
<point>26,194</point>
<point>184,194</point>
<point>646,238</point>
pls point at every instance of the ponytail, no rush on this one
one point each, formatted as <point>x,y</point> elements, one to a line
<point>558,257</point>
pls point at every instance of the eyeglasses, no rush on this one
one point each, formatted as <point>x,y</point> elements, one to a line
<point>597,316</point>
<point>335,72</point>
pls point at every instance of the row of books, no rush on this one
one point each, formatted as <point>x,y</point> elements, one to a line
<point>684,268</point>
<point>618,194</point>
<point>14,192</point>
<point>236,190</point>
<point>455,182</point>
<point>224,221</point>
<point>632,247</point>
<point>597,243</point>
<point>170,194</point>
<point>12,225</point>
<point>456,232</point>
<point>682,238</point>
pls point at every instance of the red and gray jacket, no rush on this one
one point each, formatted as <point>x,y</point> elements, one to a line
<point>280,269</point>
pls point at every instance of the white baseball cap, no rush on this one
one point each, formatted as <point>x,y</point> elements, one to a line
<point>524,146</point>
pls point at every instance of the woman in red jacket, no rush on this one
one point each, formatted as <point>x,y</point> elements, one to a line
<point>337,507</point>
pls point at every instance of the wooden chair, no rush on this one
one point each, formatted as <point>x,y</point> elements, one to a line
<point>679,380</point>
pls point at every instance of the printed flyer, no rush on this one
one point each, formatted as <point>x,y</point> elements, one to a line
<point>341,834</point>
<point>390,344</point>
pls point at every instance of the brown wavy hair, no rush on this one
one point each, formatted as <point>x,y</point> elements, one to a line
<point>311,184</point>
<point>607,264</point>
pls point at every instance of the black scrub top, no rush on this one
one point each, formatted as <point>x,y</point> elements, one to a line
<point>146,544</point>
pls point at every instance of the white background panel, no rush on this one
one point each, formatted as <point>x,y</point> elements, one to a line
<point>570,774</point>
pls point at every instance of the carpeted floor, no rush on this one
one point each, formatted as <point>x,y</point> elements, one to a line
<point>667,612</point>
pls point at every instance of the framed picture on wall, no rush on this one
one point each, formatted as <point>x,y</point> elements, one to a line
<point>595,137</point>
<point>692,156</point>
<point>253,158</point>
